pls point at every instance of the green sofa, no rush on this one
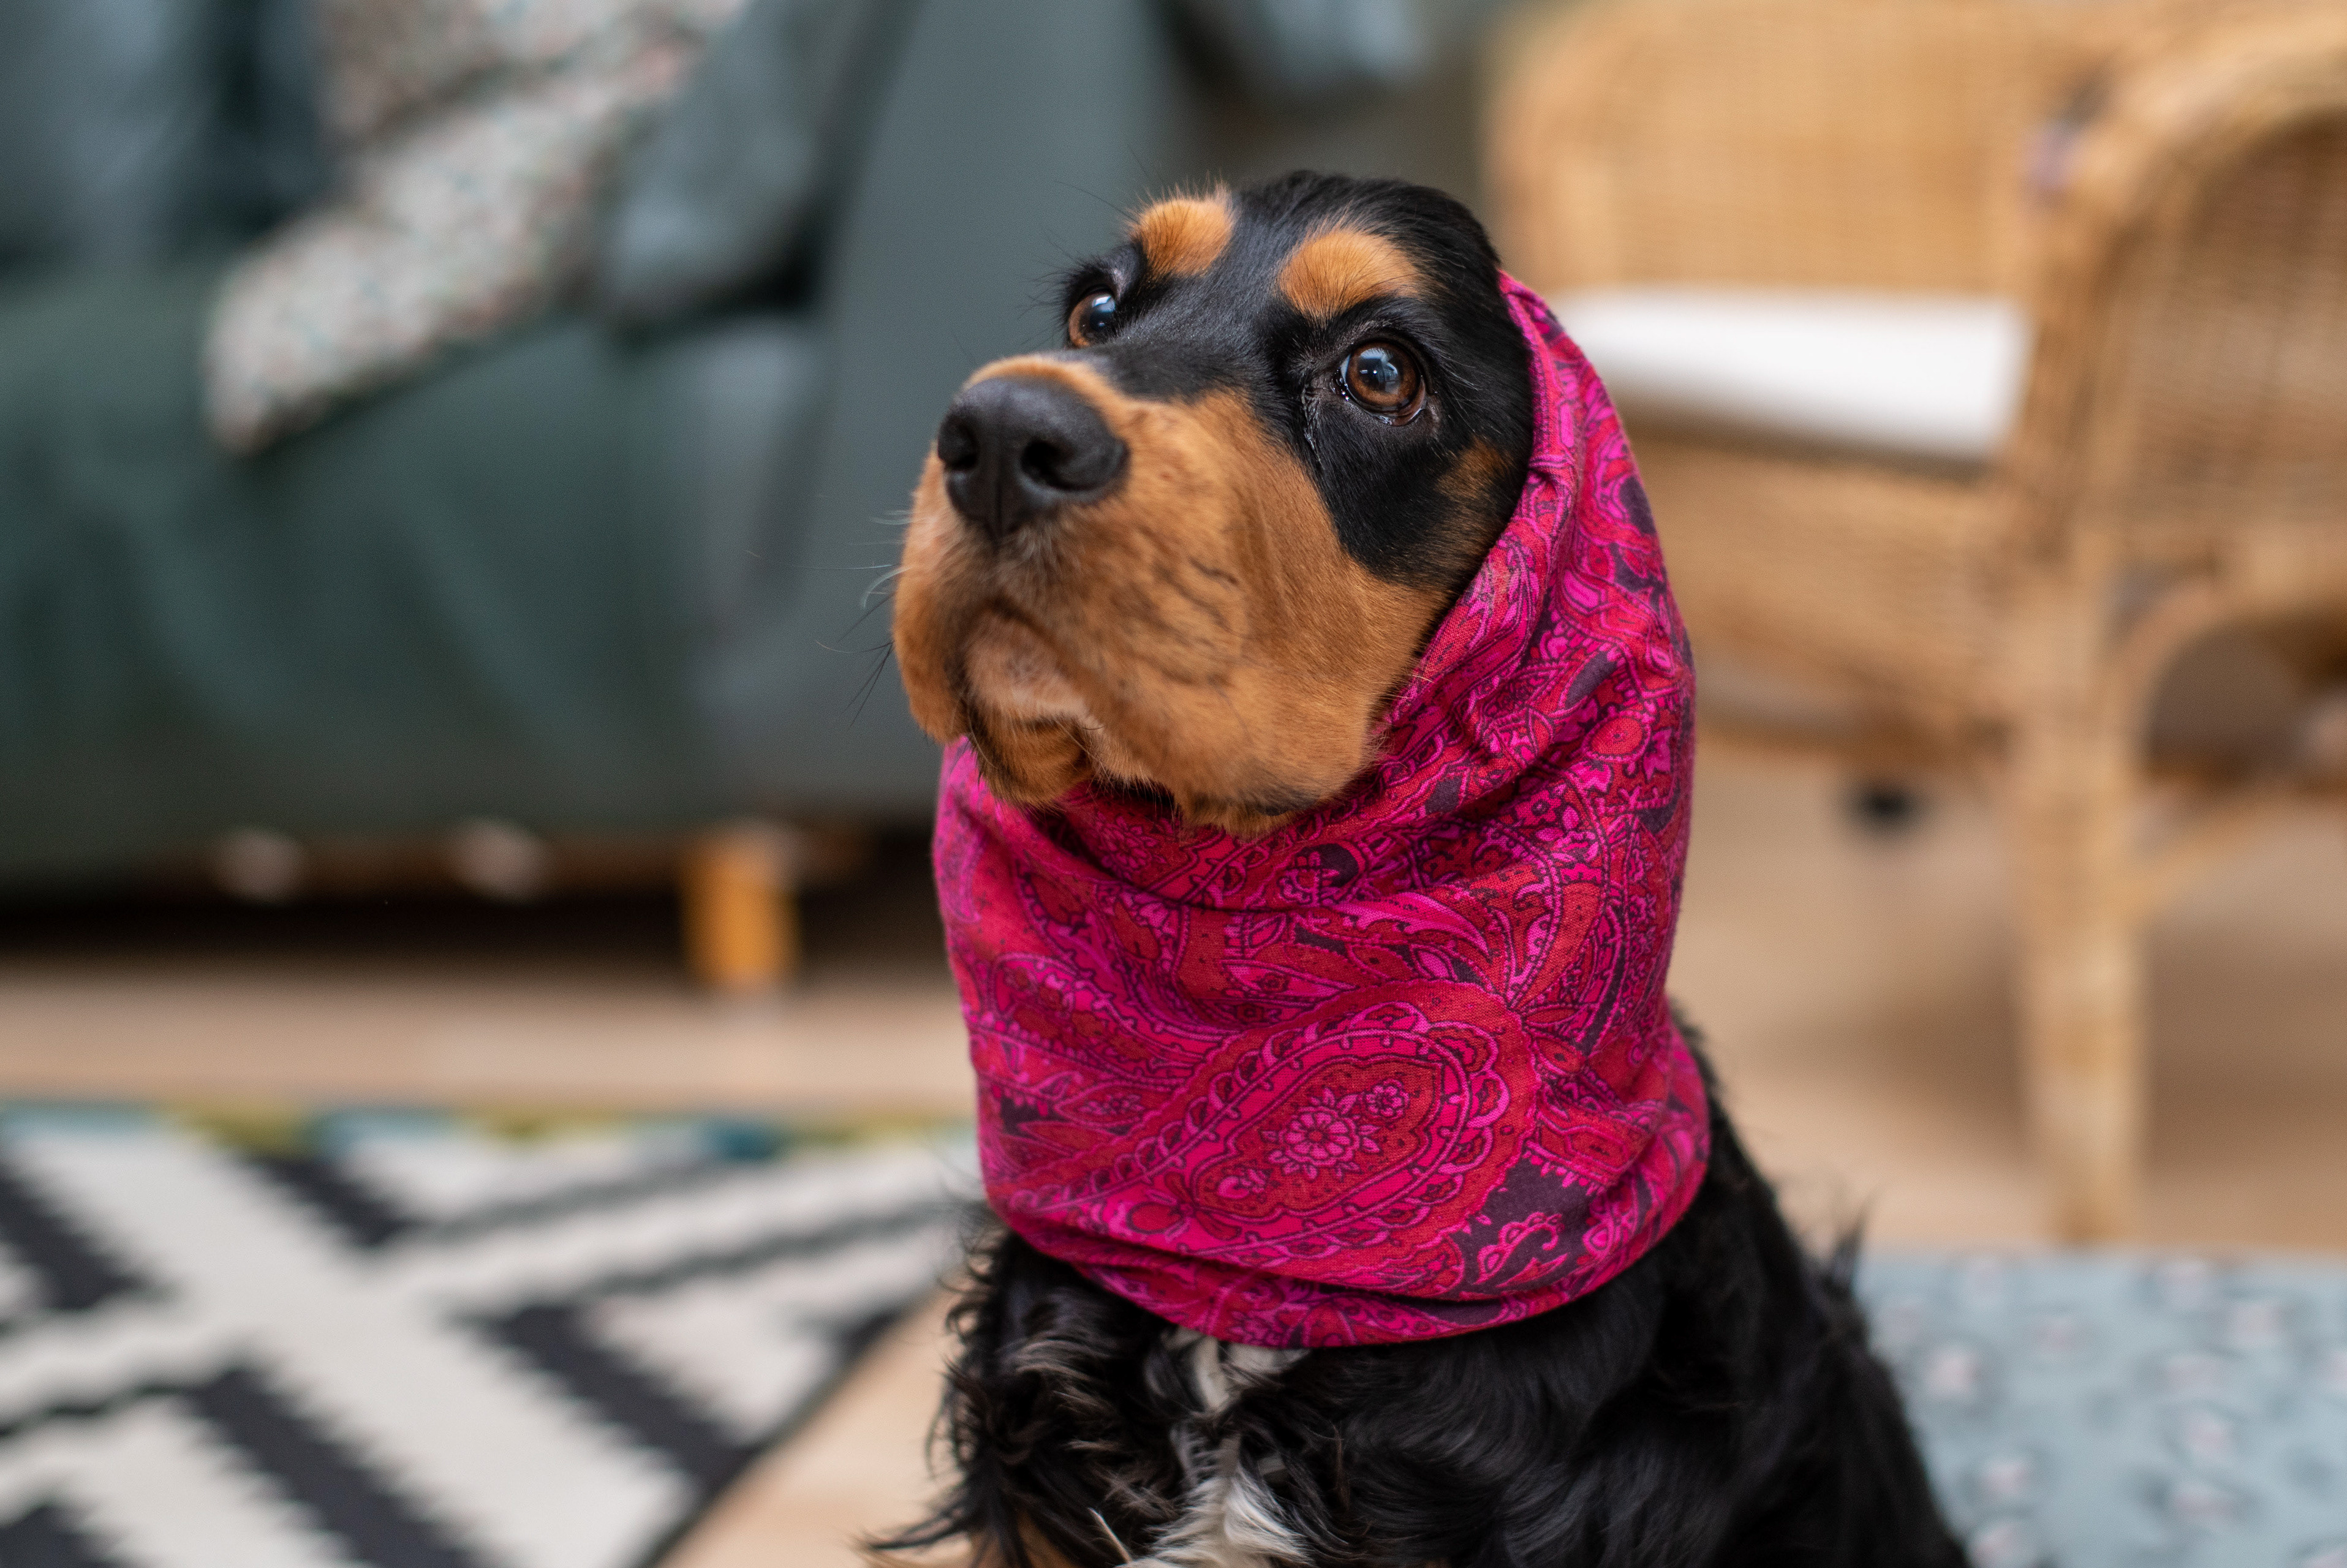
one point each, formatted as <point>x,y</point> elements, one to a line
<point>578,580</point>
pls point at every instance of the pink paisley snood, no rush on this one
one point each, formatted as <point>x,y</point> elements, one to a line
<point>1403,1068</point>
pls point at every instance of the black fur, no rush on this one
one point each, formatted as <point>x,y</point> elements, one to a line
<point>1715,1405</point>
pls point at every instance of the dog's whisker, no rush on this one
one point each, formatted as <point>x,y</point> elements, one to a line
<point>881,584</point>
<point>865,615</point>
<point>871,682</point>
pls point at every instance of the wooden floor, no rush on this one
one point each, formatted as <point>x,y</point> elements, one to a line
<point>1853,986</point>
<point>578,1003</point>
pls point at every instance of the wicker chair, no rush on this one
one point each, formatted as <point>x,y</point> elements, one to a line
<point>2165,186</point>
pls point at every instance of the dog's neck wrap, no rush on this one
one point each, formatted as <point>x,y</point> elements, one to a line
<point>1403,1068</point>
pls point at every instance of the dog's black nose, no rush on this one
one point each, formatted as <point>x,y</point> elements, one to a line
<point>1017,446</point>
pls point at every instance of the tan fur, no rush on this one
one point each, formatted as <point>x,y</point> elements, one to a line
<point>1200,629</point>
<point>1337,268</point>
<point>1478,472</point>
<point>1184,235</point>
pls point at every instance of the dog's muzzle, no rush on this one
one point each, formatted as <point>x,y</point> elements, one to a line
<point>1017,448</point>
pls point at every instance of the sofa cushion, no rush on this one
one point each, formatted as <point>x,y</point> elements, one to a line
<point>134,131</point>
<point>105,113</point>
<point>389,60</point>
<point>1932,378</point>
<point>479,136</point>
<point>727,192</point>
<point>1297,54</point>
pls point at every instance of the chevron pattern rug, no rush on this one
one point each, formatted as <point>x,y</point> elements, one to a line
<point>374,1340</point>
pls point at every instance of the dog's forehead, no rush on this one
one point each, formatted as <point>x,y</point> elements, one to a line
<point>1319,264</point>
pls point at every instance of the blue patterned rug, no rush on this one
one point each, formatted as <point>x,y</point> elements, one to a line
<point>374,1340</point>
<point>2116,1410</point>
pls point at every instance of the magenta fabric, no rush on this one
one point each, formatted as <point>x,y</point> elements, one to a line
<point>1403,1068</point>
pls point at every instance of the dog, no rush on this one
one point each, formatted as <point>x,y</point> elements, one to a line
<point>1182,571</point>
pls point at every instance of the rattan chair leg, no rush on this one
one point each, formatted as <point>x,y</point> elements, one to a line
<point>2081,969</point>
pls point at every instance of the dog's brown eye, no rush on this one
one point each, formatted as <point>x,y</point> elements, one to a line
<point>1384,379</point>
<point>1093,318</point>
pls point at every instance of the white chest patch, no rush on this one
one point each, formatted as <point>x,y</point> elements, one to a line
<point>1231,1519</point>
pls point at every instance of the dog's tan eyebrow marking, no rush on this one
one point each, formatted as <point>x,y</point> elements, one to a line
<point>1478,469</point>
<point>1184,235</point>
<point>1337,268</point>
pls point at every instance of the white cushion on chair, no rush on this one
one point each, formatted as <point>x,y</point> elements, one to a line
<point>1935,376</point>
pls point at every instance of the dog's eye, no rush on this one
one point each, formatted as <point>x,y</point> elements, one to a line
<point>1093,318</point>
<point>1383,378</point>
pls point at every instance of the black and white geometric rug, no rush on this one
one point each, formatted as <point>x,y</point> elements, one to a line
<point>408,1341</point>
<point>411,1340</point>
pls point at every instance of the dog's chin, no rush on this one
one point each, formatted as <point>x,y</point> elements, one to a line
<point>1013,675</point>
<point>1037,738</point>
<point>1034,735</point>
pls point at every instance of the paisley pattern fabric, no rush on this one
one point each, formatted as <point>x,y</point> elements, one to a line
<point>1404,1067</point>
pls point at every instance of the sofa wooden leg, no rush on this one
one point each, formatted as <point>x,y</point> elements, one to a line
<point>2081,981</point>
<point>740,894</point>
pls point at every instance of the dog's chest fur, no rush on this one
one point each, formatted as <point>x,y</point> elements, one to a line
<point>1230,1517</point>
